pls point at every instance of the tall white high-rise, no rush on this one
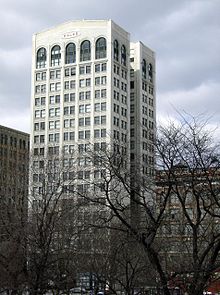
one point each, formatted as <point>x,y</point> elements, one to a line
<point>90,85</point>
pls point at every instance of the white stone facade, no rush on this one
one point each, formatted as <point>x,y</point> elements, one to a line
<point>83,96</point>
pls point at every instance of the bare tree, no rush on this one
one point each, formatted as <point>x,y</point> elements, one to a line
<point>12,246</point>
<point>53,230</point>
<point>168,223</point>
<point>13,217</point>
<point>188,164</point>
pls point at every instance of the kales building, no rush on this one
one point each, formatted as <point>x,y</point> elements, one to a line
<point>91,85</point>
<point>92,90</point>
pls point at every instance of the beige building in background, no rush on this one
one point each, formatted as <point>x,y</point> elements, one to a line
<point>14,162</point>
<point>14,159</point>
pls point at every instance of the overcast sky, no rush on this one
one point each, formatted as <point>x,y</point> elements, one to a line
<point>185,34</point>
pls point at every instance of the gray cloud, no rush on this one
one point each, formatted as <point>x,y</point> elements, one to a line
<point>184,34</point>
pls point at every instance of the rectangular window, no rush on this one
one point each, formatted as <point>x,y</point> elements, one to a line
<point>97,68</point>
<point>66,111</point>
<point>88,69</point>
<point>124,74</point>
<point>81,121</point>
<point>51,124</point>
<point>56,137</point>
<point>82,83</point>
<point>115,121</point>
<point>58,86</point>
<point>58,74</point>
<point>51,112</point>
<point>36,126</point>
<point>82,70</point>
<point>42,125</point>
<point>72,97</point>
<point>88,82</point>
<point>103,106</point>
<point>37,89</point>
<point>103,119</point>
<point>52,99</point>
<point>36,139</point>
<point>104,67</point>
<point>96,120</point>
<point>72,135</point>
<point>81,108</point>
<point>88,94</point>
<point>72,84</point>
<point>43,88</point>
<point>37,101</point>
<point>97,107</point>
<point>131,73</point>
<point>41,76</point>
<point>65,136</point>
<point>87,108</point>
<point>97,94</point>
<point>87,134</point>
<point>52,75</point>
<point>87,121</point>
<point>42,100</point>
<point>96,133</point>
<point>72,110</point>
<point>97,81</point>
<point>67,85</point>
<point>42,138</point>
<point>52,87</point>
<point>81,135</point>
<point>73,71</point>
<point>70,72</point>
<point>81,95</point>
<point>66,123</point>
<point>57,111</point>
<point>72,122</point>
<point>66,97</point>
<point>123,99</point>
<point>103,132</point>
<point>103,80</point>
<point>38,76</point>
<point>55,74</point>
<point>103,93</point>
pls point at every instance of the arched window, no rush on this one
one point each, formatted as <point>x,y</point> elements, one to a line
<point>123,55</point>
<point>55,55</point>
<point>85,51</point>
<point>150,72</point>
<point>116,50</point>
<point>41,58</point>
<point>100,48</point>
<point>144,69</point>
<point>70,53</point>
